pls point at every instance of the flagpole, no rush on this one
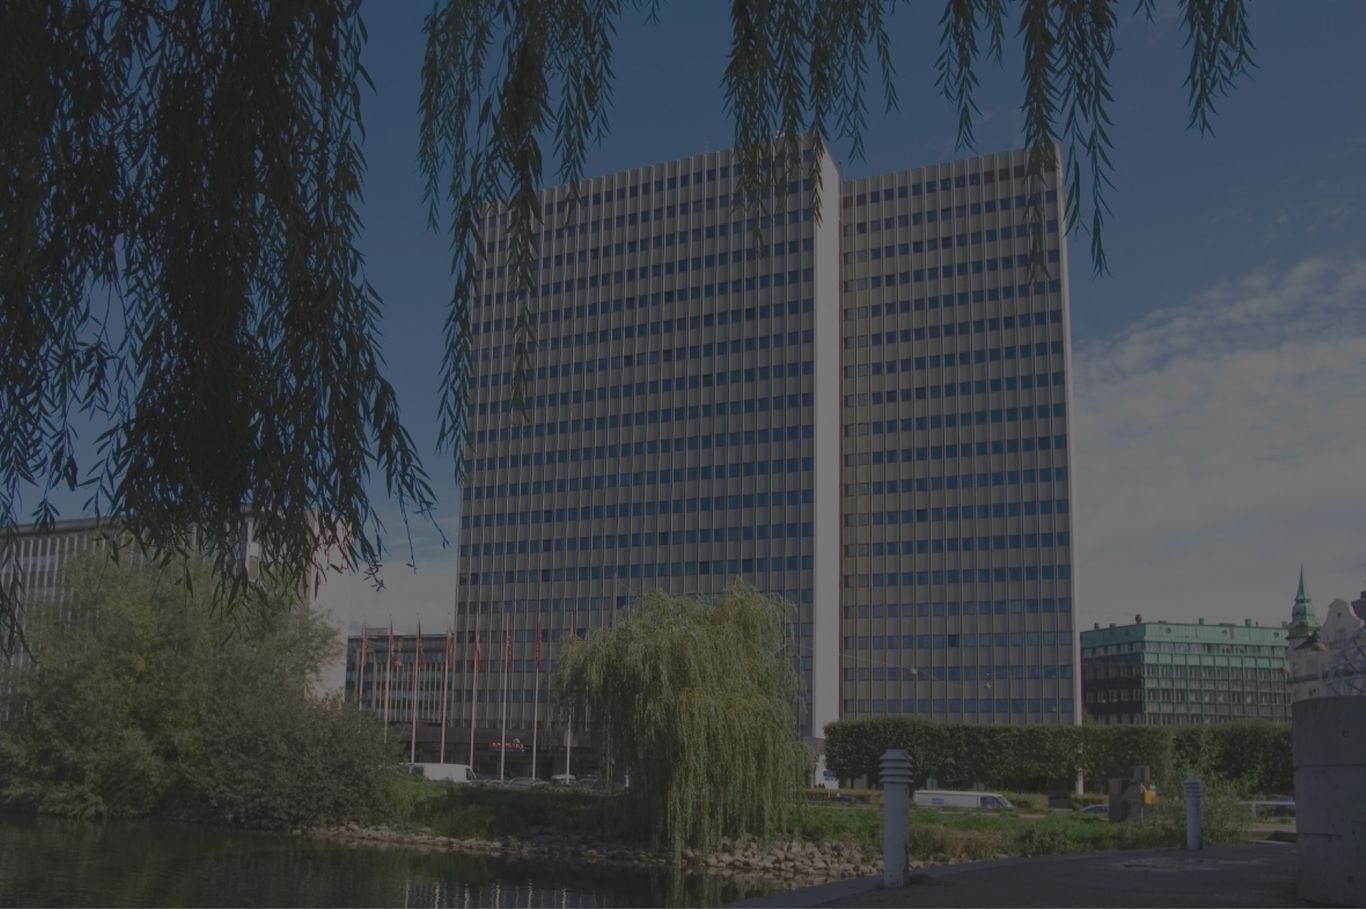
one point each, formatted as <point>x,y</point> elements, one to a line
<point>389,679</point>
<point>360,669</point>
<point>536,703</point>
<point>446,687</point>
<point>569,727</point>
<point>388,686</point>
<point>503,733</point>
<point>474,685</point>
<point>417,666</point>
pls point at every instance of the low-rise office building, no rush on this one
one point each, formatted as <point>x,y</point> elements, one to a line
<point>385,678</point>
<point>1178,673</point>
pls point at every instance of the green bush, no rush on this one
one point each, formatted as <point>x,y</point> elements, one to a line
<point>1223,819</point>
<point>152,703</point>
<point>1033,802</point>
<point>1254,756</point>
<point>958,755</point>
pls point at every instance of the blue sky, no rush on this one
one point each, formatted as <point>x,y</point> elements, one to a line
<point>1220,422</point>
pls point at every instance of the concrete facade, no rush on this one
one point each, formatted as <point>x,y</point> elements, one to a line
<point>865,414</point>
<point>1174,673</point>
<point>1329,735</point>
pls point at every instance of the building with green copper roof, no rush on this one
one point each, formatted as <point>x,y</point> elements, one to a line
<point>1159,673</point>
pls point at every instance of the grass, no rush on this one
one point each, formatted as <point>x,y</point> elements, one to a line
<point>973,835</point>
<point>481,812</point>
<point>468,811</point>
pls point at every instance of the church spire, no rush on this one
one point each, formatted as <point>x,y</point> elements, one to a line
<point>1302,622</point>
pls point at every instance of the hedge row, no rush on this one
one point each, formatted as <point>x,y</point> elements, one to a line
<point>1254,755</point>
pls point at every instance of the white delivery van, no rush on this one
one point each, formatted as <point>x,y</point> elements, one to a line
<point>961,798</point>
<point>444,773</point>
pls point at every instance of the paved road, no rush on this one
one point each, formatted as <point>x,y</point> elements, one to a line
<point>1256,875</point>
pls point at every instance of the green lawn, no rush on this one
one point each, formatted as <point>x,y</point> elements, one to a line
<point>936,835</point>
<point>970,835</point>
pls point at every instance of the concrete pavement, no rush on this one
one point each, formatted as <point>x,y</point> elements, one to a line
<point>1261,874</point>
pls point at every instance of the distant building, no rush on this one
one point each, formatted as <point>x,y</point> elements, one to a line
<point>385,688</point>
<point>1313,649</point>
<point>1174,673</point>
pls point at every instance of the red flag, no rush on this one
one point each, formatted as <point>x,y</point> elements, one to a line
<point>420,662</point>
<point>538,643</point>
<point>364,649</point>
<point>391,644</point>
<point>450,648</point>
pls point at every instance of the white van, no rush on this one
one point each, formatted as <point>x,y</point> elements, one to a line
<point>446,773</point>
<point>961,798</point>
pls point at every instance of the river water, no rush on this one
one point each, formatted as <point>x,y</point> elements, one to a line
<point>47,862</point>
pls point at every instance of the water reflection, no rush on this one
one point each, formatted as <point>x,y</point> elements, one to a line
<point>45,862</point>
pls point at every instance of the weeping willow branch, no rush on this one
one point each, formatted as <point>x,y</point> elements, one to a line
<point>795,79</point>
<point>694,699</point>
<point>178,223</point>
<point>178,267</point>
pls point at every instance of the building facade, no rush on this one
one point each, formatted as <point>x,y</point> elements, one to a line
<point>1174,673</point>
<point>414,698</point>
<point>1316,651</point>
<point>864,413</point>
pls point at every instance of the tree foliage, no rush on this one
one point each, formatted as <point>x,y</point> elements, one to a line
<point>178,223</point>
<point>146,703</point>
<point>505,81</point>
<point>178,266</point>
<point>1253,756</point>
<point>694,699</point>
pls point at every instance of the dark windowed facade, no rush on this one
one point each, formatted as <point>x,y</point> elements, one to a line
<point>832,409</point>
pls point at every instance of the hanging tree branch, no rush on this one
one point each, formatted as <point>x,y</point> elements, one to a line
<point>196,166</point>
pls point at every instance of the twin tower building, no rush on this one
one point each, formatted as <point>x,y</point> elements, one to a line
<point>858,401</point>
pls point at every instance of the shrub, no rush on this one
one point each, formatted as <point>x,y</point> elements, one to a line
<point>152,704</point>
<point>1032,802</point>
<point>1254,755</point>
<point>1223,819</point>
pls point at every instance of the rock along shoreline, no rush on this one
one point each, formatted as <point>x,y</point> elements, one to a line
<point>792,864</point>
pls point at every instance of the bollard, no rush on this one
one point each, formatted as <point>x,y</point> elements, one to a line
<point>896,805</point>
<point>1194,834</point>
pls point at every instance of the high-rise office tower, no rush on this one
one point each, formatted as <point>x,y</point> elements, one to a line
<point>863,411</point>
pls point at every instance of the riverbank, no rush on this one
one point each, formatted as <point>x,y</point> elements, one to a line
<point>828,841</point>
<point>748,862</point>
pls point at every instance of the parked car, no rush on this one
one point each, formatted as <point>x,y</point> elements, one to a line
<point>563,779</point>
<point>526,782</point>
<point>1094,811</point>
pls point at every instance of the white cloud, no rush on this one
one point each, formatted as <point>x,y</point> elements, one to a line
<point>1219,443</point>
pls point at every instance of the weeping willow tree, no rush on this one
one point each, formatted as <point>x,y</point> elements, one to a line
<point>179,192</point>
<point>694,699</point>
